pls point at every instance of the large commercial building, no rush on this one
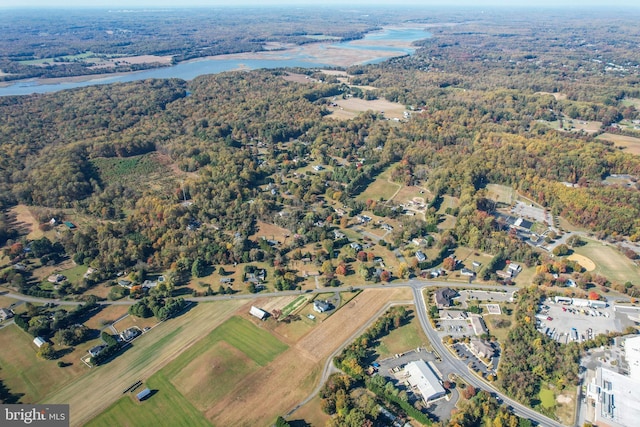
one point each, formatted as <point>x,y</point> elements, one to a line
<point>617,403</point>
<point>421,376</point>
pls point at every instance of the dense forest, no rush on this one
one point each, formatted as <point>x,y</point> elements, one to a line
<point>221,141</point>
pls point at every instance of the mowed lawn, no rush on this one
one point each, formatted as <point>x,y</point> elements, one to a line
<point>26,374</point>
<point>609,262</point>
<point>406,337</point>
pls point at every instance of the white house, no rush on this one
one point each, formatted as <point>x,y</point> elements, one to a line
<point>39,341</point>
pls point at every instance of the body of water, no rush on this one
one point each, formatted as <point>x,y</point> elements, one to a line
<point>379,41</point>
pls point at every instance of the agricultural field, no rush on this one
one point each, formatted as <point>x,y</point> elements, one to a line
<point>164,407</point>
<point>609,262</point>
<point>153,167</point>
<point>25,222</point>
<point>146,356</point>
<point>350,108</point>
<point>628,144</point>
<point>27,375</point>
<point>399,340</point>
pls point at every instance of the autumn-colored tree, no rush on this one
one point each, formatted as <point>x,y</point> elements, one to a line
<point>449,264</point>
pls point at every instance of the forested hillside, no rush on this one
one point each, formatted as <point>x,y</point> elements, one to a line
<point>219,140</point>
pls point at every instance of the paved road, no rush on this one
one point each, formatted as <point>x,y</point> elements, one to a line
<point>458,366</point>
<point>329,367</point>
<point>462,370</point>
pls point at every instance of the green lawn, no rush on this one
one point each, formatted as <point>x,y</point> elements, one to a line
<point>547,398</point>
<point>75,274</point>
<point>259,345</point>
<point>405,338</point>
<point>609,262</point>
<point>166,407</point>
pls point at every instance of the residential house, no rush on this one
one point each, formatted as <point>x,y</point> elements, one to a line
<point>5,314</point>
<point>467,272</point>
<point>125,283</point>
<point>356,246</point>
<point>420,256</point>
<point>56,278</point>
<point>94,351</point>
<point>321,306</point>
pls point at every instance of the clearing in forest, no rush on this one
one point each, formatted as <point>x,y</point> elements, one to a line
<point>628,144</point>
<point>349,108</point>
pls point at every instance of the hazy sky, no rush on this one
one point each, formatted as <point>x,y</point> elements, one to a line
<point>114,4</point>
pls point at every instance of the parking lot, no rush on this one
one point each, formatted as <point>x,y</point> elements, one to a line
<point>529,211</point>
<point>588,322</point>
<point>456,328</point>
<point>463,353</point>
<point>391,368</point>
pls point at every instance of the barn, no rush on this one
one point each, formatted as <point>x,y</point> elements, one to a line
<point>143,394</point>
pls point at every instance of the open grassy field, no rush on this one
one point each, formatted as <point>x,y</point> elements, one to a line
<point>629,144</point>
<point>211,375</point>
<point>631,101</point>
<point>257,344</point>
<point>501,193</point>
<point>24,373</point>
<point>75,273</point>
<point>149,170</point>
<point>408,336</point>
<point>270,232</point>
<point>409,193</point>
<point>380,188</point>
<point>547,398</point>
<point>349,108</point>
<point>609,262</point>
<point>147,355</point>
<point>26,223</point>
<point>166,407</point>
<point>108,314</point>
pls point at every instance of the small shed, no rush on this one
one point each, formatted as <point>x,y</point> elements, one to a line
<point>39,341</point>
<point>143,394</point>
<point>70,225</point>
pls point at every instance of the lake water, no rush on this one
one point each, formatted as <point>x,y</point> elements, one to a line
<point>381,41</point>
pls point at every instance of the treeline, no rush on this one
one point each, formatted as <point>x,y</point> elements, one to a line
<point>352,360</point>
<point>161,308</point>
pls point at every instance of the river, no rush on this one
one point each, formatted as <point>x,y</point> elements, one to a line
<point>373,48</point>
